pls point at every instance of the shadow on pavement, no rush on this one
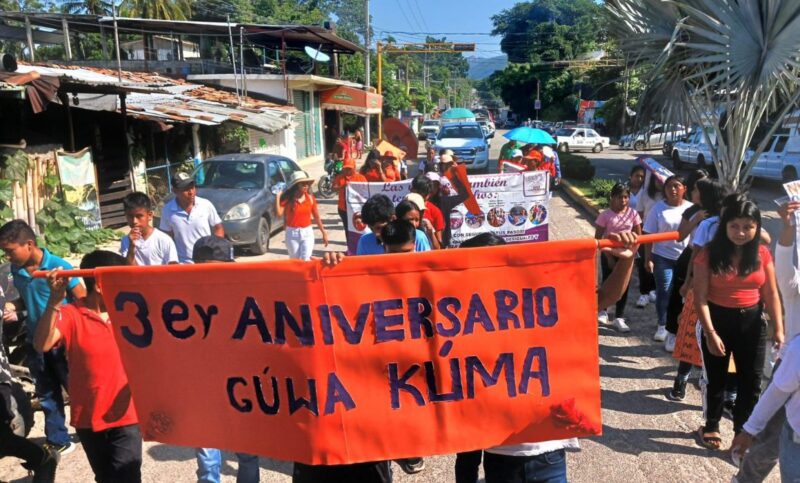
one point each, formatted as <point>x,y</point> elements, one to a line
<point>645,401</point>
<point>163,452</point>
<point>664,373</point>
<point>638,441</point>
<point>614,354</point>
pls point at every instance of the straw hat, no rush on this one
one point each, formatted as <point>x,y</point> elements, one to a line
<point>417,200</point>
<point>446,158</point>
<point>298,177</point>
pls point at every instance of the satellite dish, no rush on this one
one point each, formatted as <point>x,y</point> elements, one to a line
<point>317,55</point>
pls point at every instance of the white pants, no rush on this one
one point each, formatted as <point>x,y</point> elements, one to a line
<point>300,242</point>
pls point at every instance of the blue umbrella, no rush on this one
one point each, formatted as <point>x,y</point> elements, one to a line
<point>529,135</point>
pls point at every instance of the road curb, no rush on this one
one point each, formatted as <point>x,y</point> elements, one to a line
<point>590,207</point>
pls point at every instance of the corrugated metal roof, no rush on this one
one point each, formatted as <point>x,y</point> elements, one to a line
<point>153,96</point>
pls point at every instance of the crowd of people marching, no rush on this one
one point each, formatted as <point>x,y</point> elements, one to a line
<point>719,282</point>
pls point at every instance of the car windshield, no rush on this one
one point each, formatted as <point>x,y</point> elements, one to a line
<point>565,132</point>
<point>230,175</point>
<point>460,132</point>
<point>431,123</point>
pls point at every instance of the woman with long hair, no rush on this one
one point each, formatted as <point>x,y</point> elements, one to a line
<point>734,279</point>
<point>648,196</point>
<point>661,258</point>
<point>298,207</point>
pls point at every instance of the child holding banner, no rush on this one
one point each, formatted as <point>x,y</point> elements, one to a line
<point>734,279</point>
<point>101,407</point>
<point>340,182</point>
<point>298,207</point>
<point>618,218</point>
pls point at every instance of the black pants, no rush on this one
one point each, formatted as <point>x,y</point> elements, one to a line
<point>675,303</point>
<point>115,454</point>
<point>647,282</point>
<point>343,216</point>
<point>744,334</point>
<point>606,268</point>
<point>373,472</point>
<point>10,443</point>
<point>467,466</point>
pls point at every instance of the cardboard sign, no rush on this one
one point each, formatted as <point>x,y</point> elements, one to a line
<point>514,206</point>
<point>379,358</point>
<point>687,348</point>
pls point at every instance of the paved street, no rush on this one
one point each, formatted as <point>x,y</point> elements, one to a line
<point>646,437</point>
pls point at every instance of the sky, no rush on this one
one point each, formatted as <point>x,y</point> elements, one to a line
<point>409,20</point>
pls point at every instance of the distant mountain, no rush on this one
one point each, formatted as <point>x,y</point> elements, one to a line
<point>483,67</point>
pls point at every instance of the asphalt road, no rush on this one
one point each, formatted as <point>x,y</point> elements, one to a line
<point>646,438</point>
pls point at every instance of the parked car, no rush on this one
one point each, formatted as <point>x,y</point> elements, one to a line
<point>573,139</point>
<point>693,150</point>
<point>652,138</point>
<point>781,160</point>
<point>240,186</point>
<point>429,129</point>
<point>468,142</point>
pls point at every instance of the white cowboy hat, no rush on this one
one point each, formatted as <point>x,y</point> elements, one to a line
<point>298,177</point>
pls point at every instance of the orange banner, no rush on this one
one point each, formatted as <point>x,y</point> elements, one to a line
<point>381,357</point>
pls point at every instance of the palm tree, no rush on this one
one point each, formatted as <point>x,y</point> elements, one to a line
<point>723,64</point>
<point>91,7</point>
<point>157,9</point>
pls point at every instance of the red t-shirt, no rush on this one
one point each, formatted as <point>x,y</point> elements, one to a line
<point>730,290</point>
<point>340,183</point>
<point>96,375</point>
<point>298,213</point>
<point>434,215</point>
<point>373,176</point>
<point>391,173</point>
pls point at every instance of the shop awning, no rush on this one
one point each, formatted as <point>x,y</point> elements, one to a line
<point>351,100</point>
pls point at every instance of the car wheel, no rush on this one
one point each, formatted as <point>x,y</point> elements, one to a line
<point>789,174</point>
<point>701,161</point>
<point>598,148</point>
<point>261,245</point>
<point>563,147</point>
<point>676,160</point>
<point>638,145</point>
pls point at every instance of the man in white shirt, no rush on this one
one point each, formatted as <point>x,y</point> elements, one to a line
<point>145,244</point>
<point>187,218</point>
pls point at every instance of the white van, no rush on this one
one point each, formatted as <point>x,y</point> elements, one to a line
<point>781,160</point>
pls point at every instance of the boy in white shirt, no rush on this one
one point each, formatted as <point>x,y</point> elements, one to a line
<point>145,244</point>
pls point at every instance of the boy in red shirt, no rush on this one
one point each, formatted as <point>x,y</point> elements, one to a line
<point>102,410</point>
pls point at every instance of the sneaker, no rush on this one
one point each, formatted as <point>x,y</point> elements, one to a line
<point>620,325</point>
<point>678,391</point>
<point>661,334</point>
<point>63,449</point>
<point>669,344</point>
<point>643,301</point>
<point>45,472</point>
<point>602,317</point>
<point>411,465</point>
<point>652,296</point>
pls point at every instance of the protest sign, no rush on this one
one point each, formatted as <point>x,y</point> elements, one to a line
<point>514,206</point>
<point>301,362</point>
<point>654,168</point>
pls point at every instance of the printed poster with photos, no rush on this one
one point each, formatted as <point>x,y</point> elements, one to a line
<point>514,206</point>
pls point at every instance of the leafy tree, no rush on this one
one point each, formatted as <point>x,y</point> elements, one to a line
<point>157,9</point>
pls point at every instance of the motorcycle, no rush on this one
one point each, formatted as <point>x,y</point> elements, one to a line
<point>325,183</point>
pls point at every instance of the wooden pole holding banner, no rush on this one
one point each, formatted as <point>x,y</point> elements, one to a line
<point>605,243</point>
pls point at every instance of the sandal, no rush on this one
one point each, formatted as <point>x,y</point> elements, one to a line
<point>709,439</point>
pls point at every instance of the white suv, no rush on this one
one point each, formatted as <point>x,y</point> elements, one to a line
<point>468,142</point>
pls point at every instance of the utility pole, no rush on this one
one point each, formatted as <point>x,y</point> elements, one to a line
<point>233,59</point>
<point>538,99</point>
<point>116,43</point>
<point>241,61</point>
<point>366,69</point>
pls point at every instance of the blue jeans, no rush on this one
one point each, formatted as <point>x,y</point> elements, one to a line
<point>544,468</point>
<point>789,459</point>
<point>49,370</point>
<point>663,269</point>
<point>209,461</point>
